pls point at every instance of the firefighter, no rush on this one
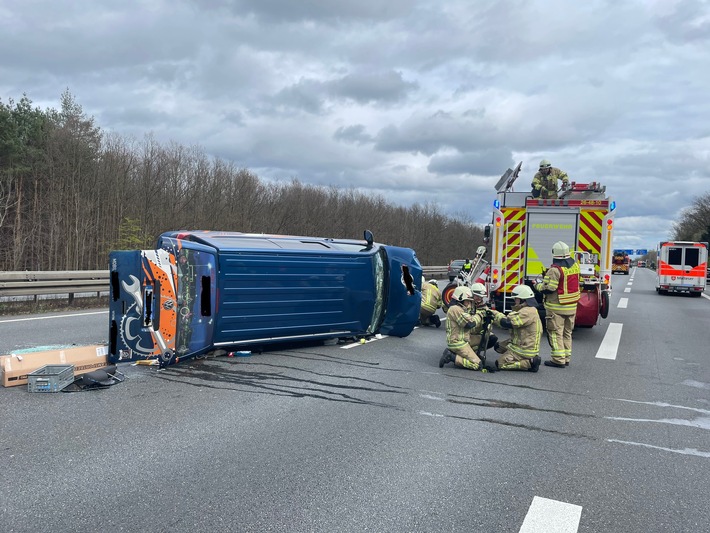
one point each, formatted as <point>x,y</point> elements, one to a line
<point>521,351</point>
<point>431,301</point>
<point>460,320</point>
<point>560,288</point>
<point>544,183</point>
<point>478,290</point>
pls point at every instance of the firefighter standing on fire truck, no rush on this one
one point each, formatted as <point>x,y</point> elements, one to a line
<point>544,184</point>
<point>560,287</point>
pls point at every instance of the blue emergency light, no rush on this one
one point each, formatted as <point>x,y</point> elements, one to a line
<point>612,205</point>
<point>496,204</point>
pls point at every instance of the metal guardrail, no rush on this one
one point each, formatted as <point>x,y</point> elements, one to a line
<point>71,282</point>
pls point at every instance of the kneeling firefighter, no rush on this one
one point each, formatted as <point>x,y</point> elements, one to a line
<point>431,301</point>
<point>521,351</point>
<point>478,333</point>
<point>462,319</point>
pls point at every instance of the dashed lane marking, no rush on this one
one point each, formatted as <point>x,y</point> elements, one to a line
<point>610,344</point>
<point>623,302</point>
<point>551,516</point>
<point>627,289</point>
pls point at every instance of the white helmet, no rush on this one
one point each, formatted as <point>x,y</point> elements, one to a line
<point>479,289</point>
<point>523,292</point>
<point>433,282</point>
<point>560,250</point>
<point>462,293</point>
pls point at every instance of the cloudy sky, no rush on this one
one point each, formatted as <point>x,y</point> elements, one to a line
<point>414,100</point>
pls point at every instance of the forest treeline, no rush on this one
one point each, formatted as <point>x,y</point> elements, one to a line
<point>694,221</point>
<point>70,193</point>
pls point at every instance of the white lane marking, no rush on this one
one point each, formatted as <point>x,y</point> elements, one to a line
<point>627,289</point>
<point>696,384</point>
<point>705,295</point>
<point>684,451</point>
<point>430,397</point>
<point>551,516</point>
<point>53,316</point>
<point>427,413</point>
<point>377,337</point>
<point>663,404</point>
<point>630,282</point>
<point>623,302</point>
<point>700,423</point>
<point>610,343</point>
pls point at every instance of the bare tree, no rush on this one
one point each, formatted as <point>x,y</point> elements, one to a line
<point>694,223</point>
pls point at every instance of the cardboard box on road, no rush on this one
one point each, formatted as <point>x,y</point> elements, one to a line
<point>14,367</point>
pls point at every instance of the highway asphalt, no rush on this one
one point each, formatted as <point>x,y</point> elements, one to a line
<point>375,437</point>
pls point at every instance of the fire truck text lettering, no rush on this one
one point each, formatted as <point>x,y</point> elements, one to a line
<point>553,226</point>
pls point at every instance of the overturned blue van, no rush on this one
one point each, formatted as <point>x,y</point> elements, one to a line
<point>201,291</point>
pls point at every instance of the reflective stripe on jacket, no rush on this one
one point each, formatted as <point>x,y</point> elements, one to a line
<point>431,297</point>
<point>527,330</point>
<point>457,318</point>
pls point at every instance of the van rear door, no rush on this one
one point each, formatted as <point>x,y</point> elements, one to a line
<point>682,266</point>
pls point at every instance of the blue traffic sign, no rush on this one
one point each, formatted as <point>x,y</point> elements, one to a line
<point>641,252</point>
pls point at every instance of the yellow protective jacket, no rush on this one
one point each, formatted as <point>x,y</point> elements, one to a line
<point>527,330</point>
<point>431,297</point>
<point>561,288</point>
<point>547,185</point>
<point>459,324</point>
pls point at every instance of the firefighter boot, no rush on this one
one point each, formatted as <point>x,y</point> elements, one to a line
<point>554,365</point>
<point>434,319</point>
<point>447,357</point>
<point>534,364</point>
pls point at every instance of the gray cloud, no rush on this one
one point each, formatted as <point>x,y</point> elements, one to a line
<point>377,87</point>
<point>416,100</point>
<point>352,134</point>
<point>311,10</point>
<point>482,163</point>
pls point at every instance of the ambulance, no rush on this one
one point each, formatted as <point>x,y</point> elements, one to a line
<point>524,229</point>
<point>682,267</point>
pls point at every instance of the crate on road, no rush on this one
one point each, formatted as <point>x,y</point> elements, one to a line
<point>50,378</point>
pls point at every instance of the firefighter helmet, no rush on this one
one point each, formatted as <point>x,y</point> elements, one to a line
<point>433,282</point>
<point>523,292</point>
<point>560,250</point>
<point>545,164</point>
<point>462,293</point>
<point>478,289</point>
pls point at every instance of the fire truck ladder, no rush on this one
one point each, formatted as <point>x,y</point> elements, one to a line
<point>513,270</point>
